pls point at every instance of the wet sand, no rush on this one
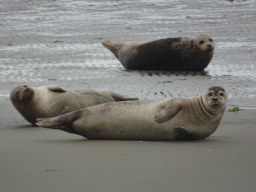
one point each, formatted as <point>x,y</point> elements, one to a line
<point>39,159</point>
<point>58,42</point>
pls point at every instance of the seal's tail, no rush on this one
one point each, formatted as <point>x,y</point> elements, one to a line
<point>113,47</point>
<point>59,120</point>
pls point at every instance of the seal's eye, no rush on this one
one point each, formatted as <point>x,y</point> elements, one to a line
<point>221,94</point>
<point>201,42</point>
<point>210,94</point>
<point>210,40</point>
<point>17,92</point>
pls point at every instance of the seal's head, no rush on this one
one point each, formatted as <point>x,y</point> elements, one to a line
<point>215,99</point>
<point>21,96</point>
<point>205,43</point>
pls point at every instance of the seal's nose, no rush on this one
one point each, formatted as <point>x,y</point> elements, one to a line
<point>209,45</point>
<point>215,99</point>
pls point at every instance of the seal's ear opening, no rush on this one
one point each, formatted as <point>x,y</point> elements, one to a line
<point>55,88</point>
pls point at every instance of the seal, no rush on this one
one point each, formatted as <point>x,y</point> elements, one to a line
<point>52,100</point>
<point>172,54</point>
<point>179,119</point>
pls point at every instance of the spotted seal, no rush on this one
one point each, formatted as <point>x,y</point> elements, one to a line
<point>173,54</point>
<point>52,100</point>
<point>192,118</point>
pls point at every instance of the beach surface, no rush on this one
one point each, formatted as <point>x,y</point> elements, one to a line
<point>58,42</point>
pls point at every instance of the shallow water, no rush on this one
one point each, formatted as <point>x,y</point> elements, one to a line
<point>58,42</point>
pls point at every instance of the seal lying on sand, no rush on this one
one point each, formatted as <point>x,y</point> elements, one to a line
<point>191,118</point>
<point>52,100</point>
<point>182,53</point>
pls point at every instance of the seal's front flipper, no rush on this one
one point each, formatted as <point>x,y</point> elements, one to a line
<point>181,134</point>
<point>119,97</point>
<point>55,88</point>
<point>65,110</point>
<point>167,113</point>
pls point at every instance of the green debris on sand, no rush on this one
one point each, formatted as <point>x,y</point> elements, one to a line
<point>166,82</point>
<point>51,79</point>
<point>234,109</point>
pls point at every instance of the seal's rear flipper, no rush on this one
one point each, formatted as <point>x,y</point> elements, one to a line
<point>120,97</point>
<point>66,127</point>
<point>49,122</point>
<point>59,120</point>
<point>181,134</point>
<point>113,47</point>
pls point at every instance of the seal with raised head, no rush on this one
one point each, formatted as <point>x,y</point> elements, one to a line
<point>192,118</point>
<point>173,54</point>
<point>52,100</point>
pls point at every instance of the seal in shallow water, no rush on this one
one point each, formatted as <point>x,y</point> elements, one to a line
<point>191,118</point>
<point>52,100</point>
<point>181,53</point>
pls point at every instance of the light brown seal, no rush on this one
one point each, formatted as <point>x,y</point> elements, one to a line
<point>181,53</point>
<point>191,118</point>
<point>52,100</point>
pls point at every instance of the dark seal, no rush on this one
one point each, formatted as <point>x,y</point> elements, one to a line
<point>172,54</point>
